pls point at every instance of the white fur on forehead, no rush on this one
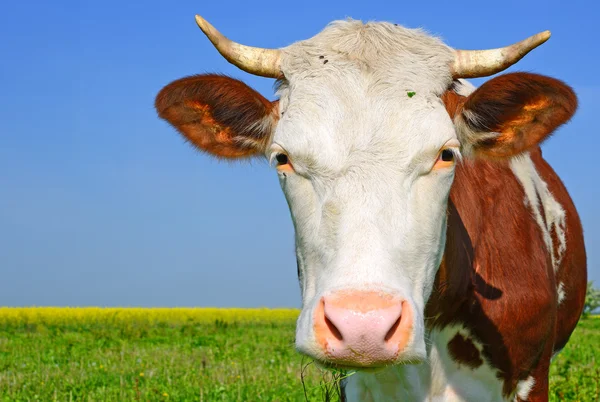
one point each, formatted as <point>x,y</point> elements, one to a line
<point>388,55</point>
<point>463,87</point>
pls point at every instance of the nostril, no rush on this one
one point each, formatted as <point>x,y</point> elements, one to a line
<point>333,329</point>
<point>362,328</point>
<point>393,329</point>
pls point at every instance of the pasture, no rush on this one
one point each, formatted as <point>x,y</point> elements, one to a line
<point>180,354</point>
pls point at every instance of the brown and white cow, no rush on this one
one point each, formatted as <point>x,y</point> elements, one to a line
<point>438,253</point>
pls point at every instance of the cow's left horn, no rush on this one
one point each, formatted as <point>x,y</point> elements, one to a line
<point>481,63</point>
<point>255,60</point>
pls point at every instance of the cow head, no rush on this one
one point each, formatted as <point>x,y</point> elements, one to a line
<point>369,126</point>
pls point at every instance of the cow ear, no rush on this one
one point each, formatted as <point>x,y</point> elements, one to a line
<point>513,113</point>
<point>219,115</point>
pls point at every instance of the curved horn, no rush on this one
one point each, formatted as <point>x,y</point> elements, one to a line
<point>481,63</point>
<point>255,60</point>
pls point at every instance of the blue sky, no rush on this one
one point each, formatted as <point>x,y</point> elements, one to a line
<point>101,203</point>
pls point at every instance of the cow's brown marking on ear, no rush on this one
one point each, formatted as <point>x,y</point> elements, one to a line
<point>218,115</point>
<point>513,113</point>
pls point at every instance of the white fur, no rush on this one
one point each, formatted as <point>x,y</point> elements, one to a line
<point>464,87</point>
<point>439,379</point>
<point>524,388</point>
<point>468,136</point>
<point>561,293</point>
<point>399,383</point>
<point>539,198</point>
<point>453,381</point>
<point>368,211</point>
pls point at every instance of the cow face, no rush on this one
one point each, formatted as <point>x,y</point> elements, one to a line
<point>365,150</point>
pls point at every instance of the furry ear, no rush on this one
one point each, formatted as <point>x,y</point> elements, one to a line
<point>219,115</point>
<point>513,113</point>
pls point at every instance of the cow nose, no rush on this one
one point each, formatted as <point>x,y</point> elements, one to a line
<point>364,329</point>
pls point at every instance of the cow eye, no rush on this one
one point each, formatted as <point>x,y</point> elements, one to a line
<point>282,159</point>
<point>447,155</point>
<point>445,158</point>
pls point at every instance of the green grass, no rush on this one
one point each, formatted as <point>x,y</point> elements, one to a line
<point>203,361</point>
<point>575,372</point>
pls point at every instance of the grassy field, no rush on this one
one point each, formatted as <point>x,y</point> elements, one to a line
<point>197,355</point>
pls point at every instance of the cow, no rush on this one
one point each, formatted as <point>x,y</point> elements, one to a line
<point>438,253</point>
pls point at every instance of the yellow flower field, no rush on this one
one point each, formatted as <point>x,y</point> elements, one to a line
<point>116,315</point>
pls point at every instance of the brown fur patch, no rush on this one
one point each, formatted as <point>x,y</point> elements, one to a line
<point>522,108</point>
<point>218,114</point>
<point>497,279</point>
<point>453,102</point>
<point>463,351</point>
